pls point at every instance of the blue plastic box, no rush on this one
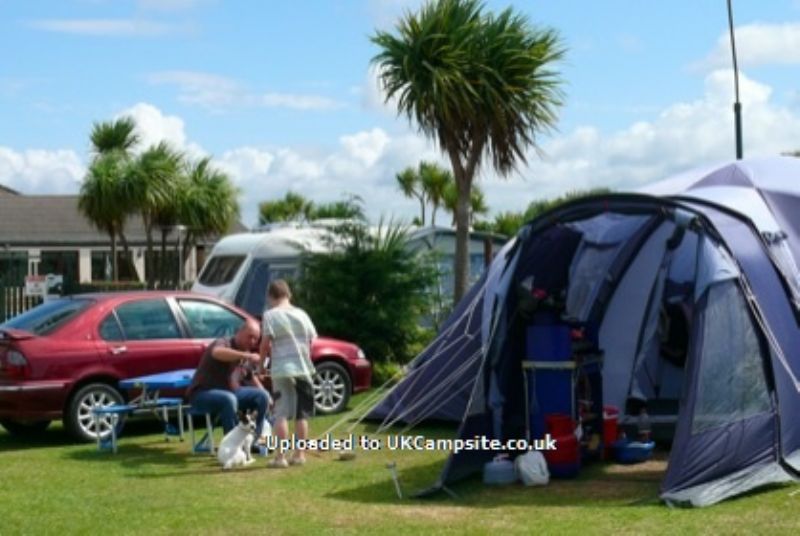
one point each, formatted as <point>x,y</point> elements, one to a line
<point>548,343</point>
<point>629,452</point>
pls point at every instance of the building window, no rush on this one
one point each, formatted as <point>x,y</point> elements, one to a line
<point>64,263</point>
<point>102,269</point>
<point>13,268</point>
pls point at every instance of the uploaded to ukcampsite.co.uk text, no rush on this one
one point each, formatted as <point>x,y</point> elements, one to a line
<point>409,443</point>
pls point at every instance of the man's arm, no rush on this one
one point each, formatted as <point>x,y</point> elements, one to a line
<point>229,355</point>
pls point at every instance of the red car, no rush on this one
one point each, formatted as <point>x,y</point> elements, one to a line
<point>66,356</point>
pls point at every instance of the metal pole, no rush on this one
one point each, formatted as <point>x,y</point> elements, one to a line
<point>737,106</point>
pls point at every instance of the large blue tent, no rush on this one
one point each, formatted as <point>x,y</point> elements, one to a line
<point>723,243</point>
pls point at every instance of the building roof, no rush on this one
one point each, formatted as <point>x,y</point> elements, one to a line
<point>5,190</point>
<point>50,220</point>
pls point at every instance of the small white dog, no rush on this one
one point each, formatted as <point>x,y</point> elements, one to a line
<point>234,450</point>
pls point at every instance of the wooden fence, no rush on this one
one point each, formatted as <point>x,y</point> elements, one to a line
<point>13,301</point>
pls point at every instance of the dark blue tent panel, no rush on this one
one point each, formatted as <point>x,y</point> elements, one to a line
<point>440,380</point>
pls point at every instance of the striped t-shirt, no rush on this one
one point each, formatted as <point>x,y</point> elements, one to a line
<point>291,331</point>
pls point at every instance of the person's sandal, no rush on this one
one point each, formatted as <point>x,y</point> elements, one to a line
<point>278,463</point>
<point>297,461</point>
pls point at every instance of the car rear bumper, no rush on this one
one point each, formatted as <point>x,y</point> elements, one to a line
<point>32,400</point>
<point>362,375</point>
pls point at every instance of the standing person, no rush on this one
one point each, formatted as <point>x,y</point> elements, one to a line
<point>288,332</point>
<point>214,390</point>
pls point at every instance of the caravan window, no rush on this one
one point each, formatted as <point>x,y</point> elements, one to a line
<point>221,270</point>
<point>252,295</point>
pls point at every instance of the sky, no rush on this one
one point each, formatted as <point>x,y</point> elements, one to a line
<point>283,95</point>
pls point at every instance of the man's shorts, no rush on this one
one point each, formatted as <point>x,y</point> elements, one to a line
<point>294,398</point>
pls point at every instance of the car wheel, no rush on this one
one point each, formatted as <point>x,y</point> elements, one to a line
<point>24,428</point>
<point>79,419</point>
<point>332,388</point>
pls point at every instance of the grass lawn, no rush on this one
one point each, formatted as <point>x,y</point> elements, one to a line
<point>50,485</point>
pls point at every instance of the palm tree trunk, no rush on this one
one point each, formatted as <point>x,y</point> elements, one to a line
<point>422,210</point>
<point>114,272</point>
<point>461,267</point>
<point>186,247</point>
<point>433,214</point>
<point>463,173</point>
<point>127,252</point>
<point>149,269</point>
<point>163,267</point>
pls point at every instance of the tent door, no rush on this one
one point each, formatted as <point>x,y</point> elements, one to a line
<point>726,434</point>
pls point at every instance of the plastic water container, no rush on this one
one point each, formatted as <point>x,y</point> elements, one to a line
<point>499,471</point>
<point>610,425</point>
<point>565,461</point>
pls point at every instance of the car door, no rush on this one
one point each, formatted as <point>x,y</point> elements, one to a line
<point>142,336</point>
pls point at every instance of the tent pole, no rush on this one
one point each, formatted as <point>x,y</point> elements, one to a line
<point>737,106</point>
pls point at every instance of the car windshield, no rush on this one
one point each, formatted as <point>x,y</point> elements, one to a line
<point>221,270</point>
<point>48,316</point>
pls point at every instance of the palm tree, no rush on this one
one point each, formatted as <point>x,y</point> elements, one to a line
<point>102,194</point>
<point>207,204</point>
<point>151,188</point>
<point>435,180</point>
<point>102,199</point>
<point>410,184</point>
<point>477,202</point>
<point>346,209</point>
<point>480,84</point>
<point>167,217</point>
<point>118,135</point>
<point>293,207</point>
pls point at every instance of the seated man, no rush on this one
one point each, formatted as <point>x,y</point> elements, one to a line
<point>214,389</point>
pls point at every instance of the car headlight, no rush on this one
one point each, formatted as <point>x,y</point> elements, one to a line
<point>361,354</point>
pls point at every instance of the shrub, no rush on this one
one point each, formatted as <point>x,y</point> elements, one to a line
<point>370,290</point>
<point>384,371</point>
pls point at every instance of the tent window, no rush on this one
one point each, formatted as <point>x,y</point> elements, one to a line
<point>731,383</point>
<point>588,273</point>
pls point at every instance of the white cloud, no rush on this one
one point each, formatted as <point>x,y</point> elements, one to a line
<point>218,93</point>
<point>365,163</point>
<point>757,44</point>
<point>683,135</point>
<point>108,27</point>
<point>153,126</point>
<point>40,171</point>
<point>367,146</point>
<point>372,95</point>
